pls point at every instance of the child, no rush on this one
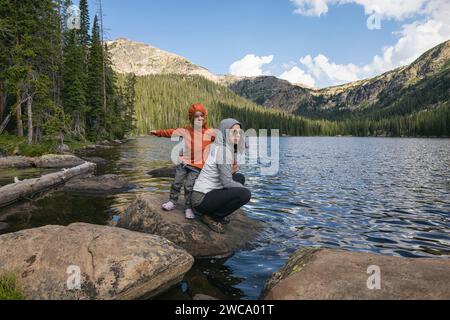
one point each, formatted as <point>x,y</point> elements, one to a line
<point>197,138</point>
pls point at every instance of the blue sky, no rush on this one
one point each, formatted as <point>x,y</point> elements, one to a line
<point>299,39</point>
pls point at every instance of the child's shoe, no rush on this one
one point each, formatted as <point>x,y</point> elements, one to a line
<point>169,206</point>
<point>189,214</point>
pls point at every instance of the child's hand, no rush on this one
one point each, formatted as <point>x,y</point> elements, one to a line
<point>153,132</point>
<point>236,168</point>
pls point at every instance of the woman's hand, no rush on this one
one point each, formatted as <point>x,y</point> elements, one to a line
<point>236,168</point>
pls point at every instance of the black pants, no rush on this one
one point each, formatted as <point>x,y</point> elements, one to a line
<point>219,204</point>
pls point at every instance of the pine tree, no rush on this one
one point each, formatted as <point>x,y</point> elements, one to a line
<point>129,97</point>
<point>84,24</point>
<point>96,117</point>
<point>74,83</point>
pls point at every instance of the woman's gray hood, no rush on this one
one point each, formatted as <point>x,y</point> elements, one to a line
<point>222,138</point>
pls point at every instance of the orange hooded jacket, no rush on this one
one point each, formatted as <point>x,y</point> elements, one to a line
<point>197,142</point>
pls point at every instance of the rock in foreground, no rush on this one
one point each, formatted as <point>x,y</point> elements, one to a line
<point>97,184</point>
<point>146,215</point>
<point>342,275</point>
<point>113,263</point>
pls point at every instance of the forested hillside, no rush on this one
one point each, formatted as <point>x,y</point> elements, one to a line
<point>163,100</point>
<point>56,81</point>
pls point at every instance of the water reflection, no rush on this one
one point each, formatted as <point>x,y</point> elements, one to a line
<point>389,196</point>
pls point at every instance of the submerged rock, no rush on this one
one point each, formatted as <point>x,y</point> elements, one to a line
<point>168,172</point>
<point>344,275</point>
<point>110,183</point>
<point>96,160</point>
<point>112,263</point>
<point>145,215</point>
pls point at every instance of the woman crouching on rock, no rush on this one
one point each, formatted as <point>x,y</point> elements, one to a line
<point>219,190</point>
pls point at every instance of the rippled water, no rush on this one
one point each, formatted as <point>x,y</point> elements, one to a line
<point>383,195</point>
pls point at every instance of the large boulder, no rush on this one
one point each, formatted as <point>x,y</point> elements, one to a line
<point>344,275</point>
<point>145,215</point>
<point>109,183</point>
<point>113,263</point>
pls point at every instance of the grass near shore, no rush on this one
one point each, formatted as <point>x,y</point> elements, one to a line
<point>11,143</point>
<point>9,287</point>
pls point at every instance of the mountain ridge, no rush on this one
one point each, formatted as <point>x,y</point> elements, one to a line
<point>271,92</point>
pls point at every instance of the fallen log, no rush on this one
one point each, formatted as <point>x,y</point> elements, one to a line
<point>28,188</point>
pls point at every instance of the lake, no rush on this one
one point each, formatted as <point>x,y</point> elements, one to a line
<point>381,195</point>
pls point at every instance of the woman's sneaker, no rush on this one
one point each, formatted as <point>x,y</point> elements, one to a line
<point>189,214</point>
<point>169,206</point>
<point>212,224</point>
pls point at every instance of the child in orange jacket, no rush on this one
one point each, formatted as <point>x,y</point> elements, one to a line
<point>197,138</point>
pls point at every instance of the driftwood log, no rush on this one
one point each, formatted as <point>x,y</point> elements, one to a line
<point>28,188</point>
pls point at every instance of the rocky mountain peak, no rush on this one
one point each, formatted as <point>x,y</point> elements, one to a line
<point>142,59</point>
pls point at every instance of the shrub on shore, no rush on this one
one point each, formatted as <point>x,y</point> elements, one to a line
<point>9,287</point>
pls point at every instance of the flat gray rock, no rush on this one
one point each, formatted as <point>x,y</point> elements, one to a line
<point>112,263</point>
<point>58,161</point>
<point>97,184</point>
<point>324,274</point>
<point>146,215</point>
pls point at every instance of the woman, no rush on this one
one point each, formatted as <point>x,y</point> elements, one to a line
<point>219,190</point>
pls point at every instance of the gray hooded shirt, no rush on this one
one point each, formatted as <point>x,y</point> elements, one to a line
<point>217,171</point>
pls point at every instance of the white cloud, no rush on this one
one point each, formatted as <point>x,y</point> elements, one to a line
<point>250,66</point>
<point>388,9</point>
<point>298,76</point>
<point>431,27</point>
<point>311,7</point>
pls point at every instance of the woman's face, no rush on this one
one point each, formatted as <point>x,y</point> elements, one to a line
<point>235,134</point>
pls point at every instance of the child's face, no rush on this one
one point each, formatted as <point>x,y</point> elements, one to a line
<point>199,118</point>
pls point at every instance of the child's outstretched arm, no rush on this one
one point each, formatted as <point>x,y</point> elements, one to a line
<point>163,133</point>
